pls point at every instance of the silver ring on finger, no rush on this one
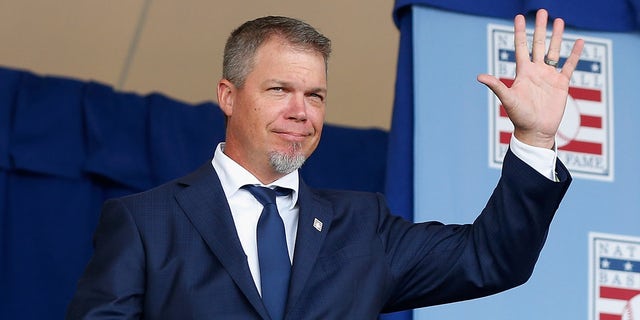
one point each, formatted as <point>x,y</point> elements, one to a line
<point>553,63</point>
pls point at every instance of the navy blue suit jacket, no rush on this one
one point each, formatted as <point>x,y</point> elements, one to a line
<point>173,253</point>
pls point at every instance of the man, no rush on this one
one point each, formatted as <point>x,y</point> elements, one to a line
<point>193,248</point>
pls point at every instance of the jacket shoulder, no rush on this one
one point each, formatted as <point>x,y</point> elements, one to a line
<point>166,191</point>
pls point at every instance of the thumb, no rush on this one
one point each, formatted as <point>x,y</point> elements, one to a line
<point>495,85</point>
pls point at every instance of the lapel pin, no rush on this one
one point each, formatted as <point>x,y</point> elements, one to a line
<point>317,224</point>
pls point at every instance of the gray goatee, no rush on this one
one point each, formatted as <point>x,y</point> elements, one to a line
<point>287,162</point>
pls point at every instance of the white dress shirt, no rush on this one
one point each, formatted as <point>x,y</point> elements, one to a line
<point>246,210</point>
<point>541,159</point>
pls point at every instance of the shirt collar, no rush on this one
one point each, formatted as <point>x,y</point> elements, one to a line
<point>233,176</point>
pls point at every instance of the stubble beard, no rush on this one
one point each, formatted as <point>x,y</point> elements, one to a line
<point>287,162</point>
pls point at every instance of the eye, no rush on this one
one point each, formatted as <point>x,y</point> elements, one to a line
<point>276,89</point>
<point>317,96</point>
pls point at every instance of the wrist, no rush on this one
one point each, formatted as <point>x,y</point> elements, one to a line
<point>536,139</point>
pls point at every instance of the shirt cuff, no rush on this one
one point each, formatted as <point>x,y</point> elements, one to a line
<point>542,160</point>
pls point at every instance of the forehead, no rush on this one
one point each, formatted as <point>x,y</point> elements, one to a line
<point>278,56</point>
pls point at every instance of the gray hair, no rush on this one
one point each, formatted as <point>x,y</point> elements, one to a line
<point>243,43</point>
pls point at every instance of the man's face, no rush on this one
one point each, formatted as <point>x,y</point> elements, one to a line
<point>276,118</point>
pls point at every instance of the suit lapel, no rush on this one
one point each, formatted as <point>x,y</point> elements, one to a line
<point>207,208</point>
<point>309,239</point>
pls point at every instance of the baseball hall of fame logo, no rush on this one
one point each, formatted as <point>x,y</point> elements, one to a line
<point>585,136</point>
<point>614,277</point>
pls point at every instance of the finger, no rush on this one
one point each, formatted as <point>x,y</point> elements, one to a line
<point>573,59</point>
<point>556,40</point>
<point>539,36</point>
<point>497,86</point>
<point>520,40</point>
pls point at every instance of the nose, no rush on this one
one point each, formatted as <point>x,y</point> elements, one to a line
<point>297,108</point>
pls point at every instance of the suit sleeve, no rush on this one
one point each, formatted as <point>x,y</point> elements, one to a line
<point>434,263</point>
<point>113,283</point>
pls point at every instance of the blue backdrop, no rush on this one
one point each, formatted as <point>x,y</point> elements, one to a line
<point>449,113</point>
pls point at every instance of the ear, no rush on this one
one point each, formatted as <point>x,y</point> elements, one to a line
<point>226,95</point>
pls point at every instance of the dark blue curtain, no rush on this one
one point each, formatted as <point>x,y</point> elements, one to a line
<point>399,187</point>
<point>602,15</point>
<point>68,145</point>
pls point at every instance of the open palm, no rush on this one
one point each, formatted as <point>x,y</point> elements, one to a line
<point>536,100</point>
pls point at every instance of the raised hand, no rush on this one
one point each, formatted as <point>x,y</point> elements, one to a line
<point>536,100</point>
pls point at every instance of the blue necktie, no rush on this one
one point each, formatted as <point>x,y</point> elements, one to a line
<point>273,255</point>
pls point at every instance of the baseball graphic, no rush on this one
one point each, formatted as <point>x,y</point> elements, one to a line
<point>632,309</point>
<point>570,123</point>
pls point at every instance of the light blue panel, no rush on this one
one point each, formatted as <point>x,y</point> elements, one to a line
<point>453,179</point>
